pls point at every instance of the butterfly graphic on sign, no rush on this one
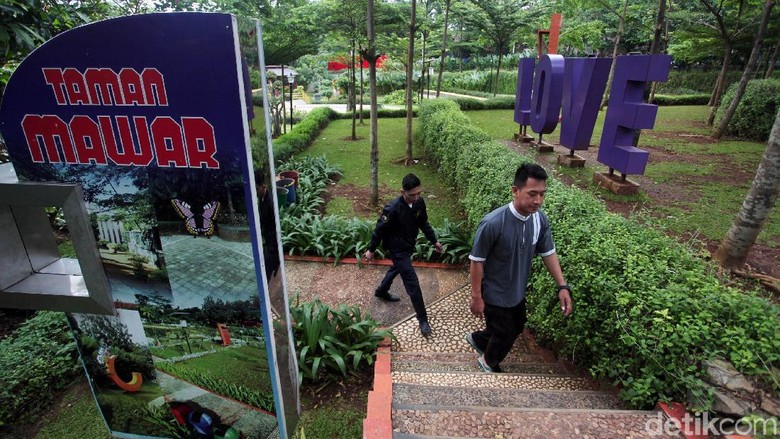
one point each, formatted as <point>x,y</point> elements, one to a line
<point>197,224</point>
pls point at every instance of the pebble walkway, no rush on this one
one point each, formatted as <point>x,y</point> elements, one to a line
<point>440,393</point>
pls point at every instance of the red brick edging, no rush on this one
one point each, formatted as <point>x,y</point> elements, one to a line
<point>378,423</point>
<point>384,262</point>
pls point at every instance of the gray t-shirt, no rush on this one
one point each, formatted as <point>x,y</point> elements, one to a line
<point>506,242</point>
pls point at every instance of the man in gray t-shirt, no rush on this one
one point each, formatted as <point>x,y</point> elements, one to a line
<point>506,242</point>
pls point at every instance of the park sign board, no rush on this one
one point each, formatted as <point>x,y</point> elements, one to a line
<point>148,116</point>
<point>570,90</point>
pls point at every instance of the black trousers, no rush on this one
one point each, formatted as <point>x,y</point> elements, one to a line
<point>402,264</point>
<point>502,327</point>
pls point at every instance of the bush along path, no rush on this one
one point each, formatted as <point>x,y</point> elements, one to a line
<point>650,316</point>
<point>438,390</point>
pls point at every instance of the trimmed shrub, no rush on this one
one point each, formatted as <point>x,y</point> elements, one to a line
<point>683,82</point>
<point>693,99</point>
<point>302,134</point>
<point>647,311</point>
<point>755,113</point>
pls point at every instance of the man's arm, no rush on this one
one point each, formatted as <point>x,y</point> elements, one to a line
<point>564,295</point>
<point>476,271</point>
<point>428,230</point>
<point>382,224</point>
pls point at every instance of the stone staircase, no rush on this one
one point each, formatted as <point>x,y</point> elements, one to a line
<point>438,391</point>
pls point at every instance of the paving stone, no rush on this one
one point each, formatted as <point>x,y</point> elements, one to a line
<point>407,396</point>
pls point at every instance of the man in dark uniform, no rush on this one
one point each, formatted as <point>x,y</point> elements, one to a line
<point>265,204</point>
<point>397,228</point>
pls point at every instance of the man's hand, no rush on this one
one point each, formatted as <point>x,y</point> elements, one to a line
<point>369,255</point>
<point>438,247</point>
<point>477,305</point>
<point>566,304</point>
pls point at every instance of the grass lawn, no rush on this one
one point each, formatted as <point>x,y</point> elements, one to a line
<point>353,158</point>
<point>246,366</point>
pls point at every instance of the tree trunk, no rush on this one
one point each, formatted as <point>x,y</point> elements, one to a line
<point>751,65</point>
<point>284,123</point>
<point>733,250</point>
<point>444,45</point>
<point>374,201</point>
<point>498,72</point>
<point>720,85</point>
<point>409,85</point>
<point>655,48</point>
<point>771,67</point>
<point>361,90</point>
<point>611,76</point>
<point>354,93</point>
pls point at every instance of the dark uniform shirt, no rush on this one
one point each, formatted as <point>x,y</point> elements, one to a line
<point>399,224</point>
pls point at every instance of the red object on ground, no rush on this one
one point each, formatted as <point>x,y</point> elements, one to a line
<point>224,333</point>
<point>135,383</point>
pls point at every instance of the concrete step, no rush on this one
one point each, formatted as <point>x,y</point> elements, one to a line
<point>494,380</point>
<point>514,357</point>
<point>527,423</point>
<point>469,364</point>
<point>414,397</point>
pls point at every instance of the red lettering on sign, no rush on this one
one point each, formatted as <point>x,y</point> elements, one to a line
<point>201,144</point>
<point>87,140</point>
<point>75,86</point>
<point>132,88</point>
<point>104,88</point>
<point>126,153</point>
<point>168,143</point>
<point>154,85</point>
<point>51,133</point>
<point>54,78</point>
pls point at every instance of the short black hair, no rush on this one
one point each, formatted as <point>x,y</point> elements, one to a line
<point>259,176</point>
<point>527,170</point>
<point>410,182</point>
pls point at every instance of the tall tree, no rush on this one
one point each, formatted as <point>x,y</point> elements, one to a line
<point>409,85</point>
<point>729,25</point>
<point>733,250</point>
<point>747,74</point>
<point>371,56</point>
<point>615,50</point>
<point>499,21</point>
<point>447,4</point>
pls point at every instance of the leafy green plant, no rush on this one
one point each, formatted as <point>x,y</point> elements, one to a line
<point>333,341</point>
<point>37,359</point>
<point>756,111</point>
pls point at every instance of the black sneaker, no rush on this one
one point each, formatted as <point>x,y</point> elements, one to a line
<point>425,328</point>
<point>387,297</point>
<point>473,344</point>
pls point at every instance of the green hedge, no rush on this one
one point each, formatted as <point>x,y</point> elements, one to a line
<point>39,358</point>
<point>692,99</point>
<point>755,113</point>
<point>302,134</point>
<point>683,82</point>
<point>646,310</point>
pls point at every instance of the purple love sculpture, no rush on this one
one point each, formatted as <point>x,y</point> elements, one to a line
<point>546,99</point>
<point>627,111</point>
<point>525,83</point>
<point>583,86</point>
